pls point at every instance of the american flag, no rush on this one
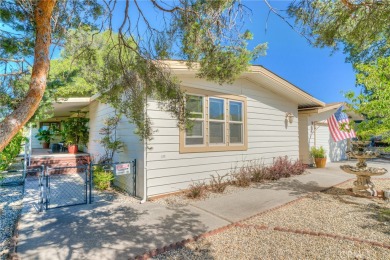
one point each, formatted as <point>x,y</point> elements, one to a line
<point>334,123</point>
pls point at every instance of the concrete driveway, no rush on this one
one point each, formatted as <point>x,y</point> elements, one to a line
<point>121,230</point>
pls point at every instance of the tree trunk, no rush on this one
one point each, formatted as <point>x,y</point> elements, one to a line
<point>26,109</point>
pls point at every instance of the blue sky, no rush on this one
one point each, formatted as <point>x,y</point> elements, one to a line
<point>317,71</point>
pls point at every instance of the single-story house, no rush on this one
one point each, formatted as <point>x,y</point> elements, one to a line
<point>258,117</point>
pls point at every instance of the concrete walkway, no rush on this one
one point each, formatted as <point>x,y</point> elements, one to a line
<point>105,230</point>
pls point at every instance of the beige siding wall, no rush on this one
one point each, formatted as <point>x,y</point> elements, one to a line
<point>133,148</point>
<point>269,136</point>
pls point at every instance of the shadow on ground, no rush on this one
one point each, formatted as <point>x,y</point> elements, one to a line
<point>103,231</point>
<point>293,186</point>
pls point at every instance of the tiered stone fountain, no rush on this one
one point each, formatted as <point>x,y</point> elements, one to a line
<point>363,184</point>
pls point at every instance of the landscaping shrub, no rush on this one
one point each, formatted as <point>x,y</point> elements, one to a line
<point>11,151</point>
<point>242,177</point>
<point>102,178</point>
<point>218,184</point>
<point>255,171</point>
<point>298,167</point>
<point>196,190</point>
<point>259,172</point>
<point>281,167</point>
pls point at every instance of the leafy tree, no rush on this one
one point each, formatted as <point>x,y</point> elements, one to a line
<point>374,101</point>
<point>29,28</point>
<point>361,27</point>
<point>11,151</point>
<point>207,32</point>
<point>79,69</point>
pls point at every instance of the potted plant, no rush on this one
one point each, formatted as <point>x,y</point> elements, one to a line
<point>75,132</point>
<point>319,155</point>
<point>45,136</point>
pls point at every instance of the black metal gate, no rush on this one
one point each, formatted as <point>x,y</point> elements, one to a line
<point>67,186</point>
<point>73,185</point>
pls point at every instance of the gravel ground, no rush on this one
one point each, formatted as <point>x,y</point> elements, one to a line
<point>180,199</point>
<point>333,211</point>
<point>249,243</point>
<point>11,201</point>
<point>114,195</point>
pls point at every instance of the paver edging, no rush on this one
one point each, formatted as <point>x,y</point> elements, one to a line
<point>313,233</point>
<point>182,243</point>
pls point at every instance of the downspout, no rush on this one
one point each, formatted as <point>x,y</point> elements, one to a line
<point>145,172</point>
<point>145,157</point>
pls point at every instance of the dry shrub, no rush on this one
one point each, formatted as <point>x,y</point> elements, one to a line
<point>243,176</point>
<point>280,168</point>
<point>298,167</point>
<point>196,190</point>
<point>283,167</point>
<point>218,184</point>
<point>259,172</point>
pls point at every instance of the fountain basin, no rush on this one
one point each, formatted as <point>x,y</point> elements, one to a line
<point>366,171</point>
<point>363,155</point>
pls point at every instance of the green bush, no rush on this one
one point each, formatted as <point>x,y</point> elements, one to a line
<point>75,130</point>
<point>44,135</point>
<point>318,152</point>
<point>102,178</point>
<point>10,152</point>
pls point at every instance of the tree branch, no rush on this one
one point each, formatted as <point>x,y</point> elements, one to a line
<point>176,8</point>
<point>285,20</point>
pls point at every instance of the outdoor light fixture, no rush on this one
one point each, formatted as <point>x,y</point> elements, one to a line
<point>289,117</point>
